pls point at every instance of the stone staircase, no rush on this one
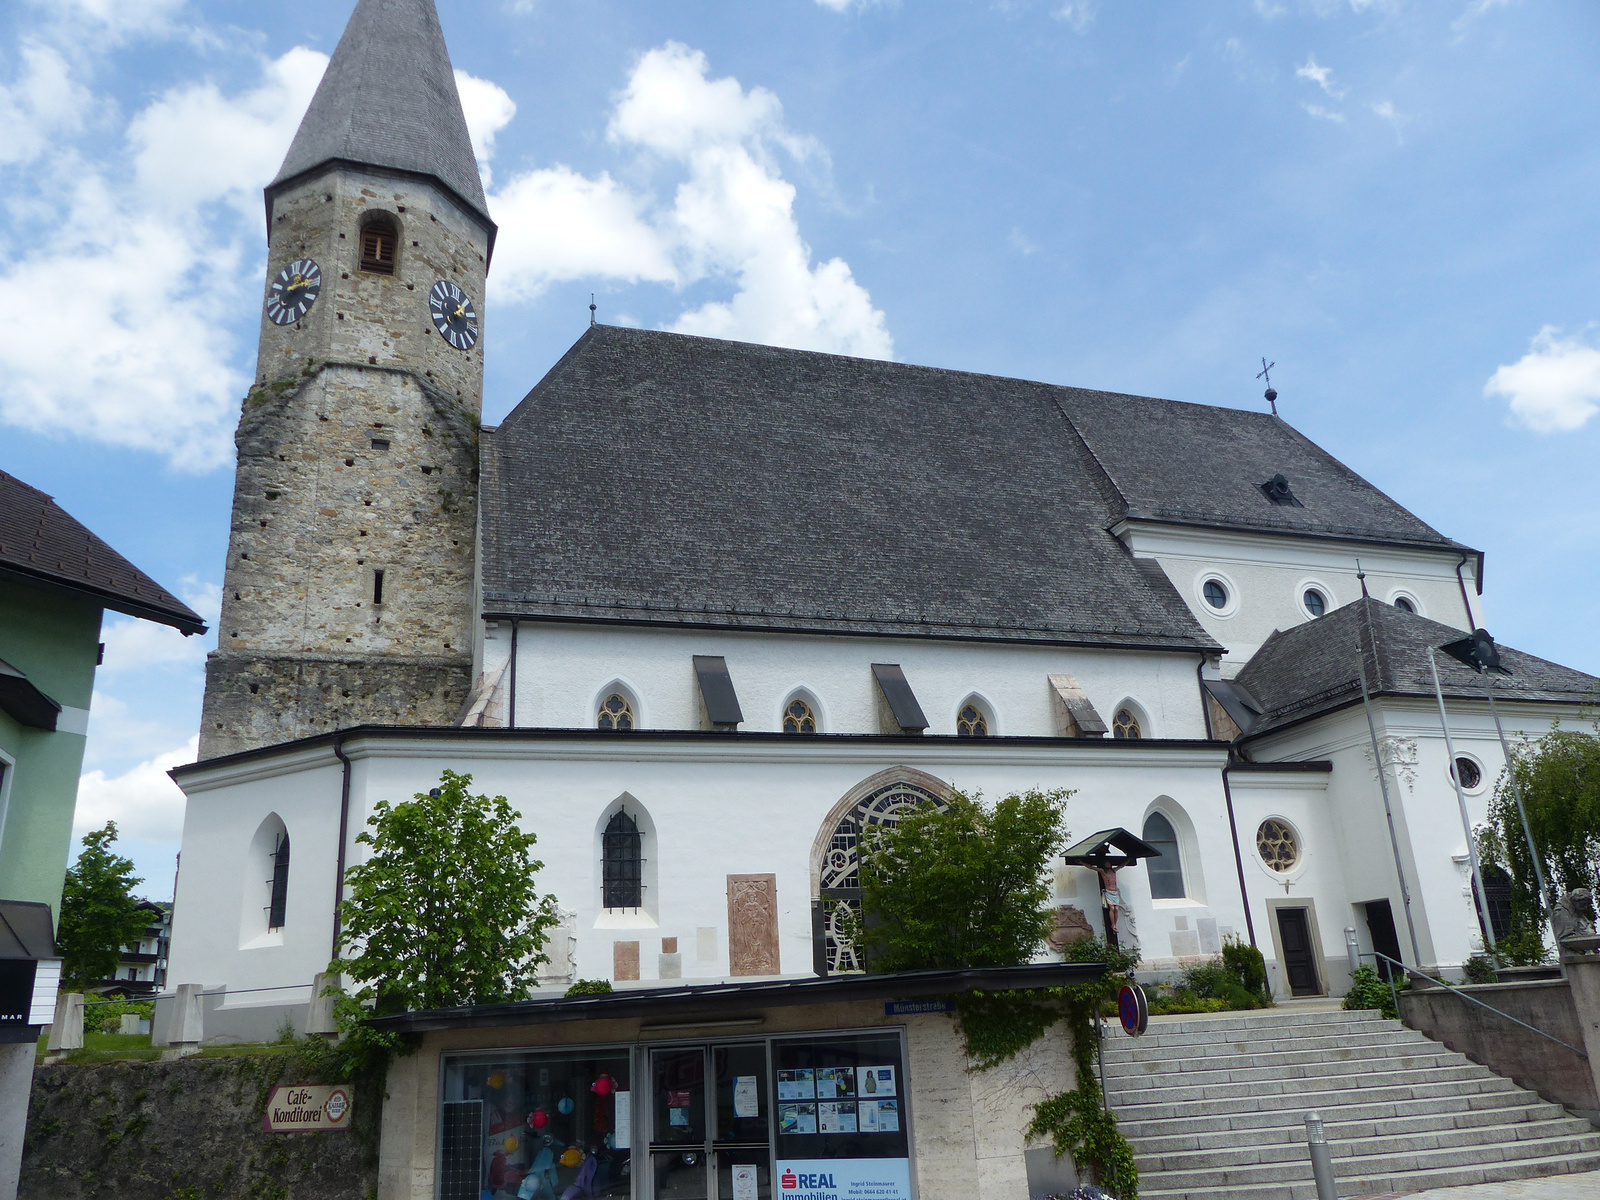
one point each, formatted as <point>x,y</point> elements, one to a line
<point>1215,1107</point>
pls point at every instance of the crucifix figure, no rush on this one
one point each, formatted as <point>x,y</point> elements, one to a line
<point>1110,900</point>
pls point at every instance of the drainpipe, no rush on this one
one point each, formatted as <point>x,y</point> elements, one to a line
<point>344,832</point>
<point>511,702</point>
<point>1238,859</point>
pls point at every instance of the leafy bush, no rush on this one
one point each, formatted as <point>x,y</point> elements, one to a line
<point>1523,948</point>
<point>1369,990</point>
<point>1481,968</point>
<point>107,1018</point>
<point>1249,967</point>
<point>590,987</point>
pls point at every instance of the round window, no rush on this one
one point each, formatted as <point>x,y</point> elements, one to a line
<point>1316,603</point>
<point>1468,773</point>
<point>1404,605</point>
<point>1277,844</point>
<point>1216,594</point>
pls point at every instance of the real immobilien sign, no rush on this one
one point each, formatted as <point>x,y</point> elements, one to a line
<point>307,1109</point>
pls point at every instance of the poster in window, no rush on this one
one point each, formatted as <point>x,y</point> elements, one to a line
<point>746,1099</point>
<point>844,1179</point>
<point>835,1082</point>
<point>836,1117</point>
<point>622,1135</point>
<point>797,1118</point>
<point>744,1181</point>
<point>879,1116</point>
<point>876,1081</point>
<point>796,1085</point>
<point>678,1109</point>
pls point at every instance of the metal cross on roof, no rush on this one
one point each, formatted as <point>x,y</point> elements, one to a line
<point>1271,393</point>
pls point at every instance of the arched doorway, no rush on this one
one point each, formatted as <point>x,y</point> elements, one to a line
<point>835,866</point>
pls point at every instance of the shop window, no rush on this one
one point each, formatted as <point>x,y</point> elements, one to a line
<point>622,863</point>
<point>1166,872</point>
<point>530,1124</point>
<point>841,1100</point>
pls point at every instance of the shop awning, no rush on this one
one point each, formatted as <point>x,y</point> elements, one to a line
<point>717,1001</point>
<point>1110,848</point>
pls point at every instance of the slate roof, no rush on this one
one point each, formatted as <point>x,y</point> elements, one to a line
<point>664,478</point>
<point>1194,463</point>
<point>39,540</point>
<point>1311,669</point>
<point>389,100</point>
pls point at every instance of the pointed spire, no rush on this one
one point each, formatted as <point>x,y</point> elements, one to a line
<point>389,100</point>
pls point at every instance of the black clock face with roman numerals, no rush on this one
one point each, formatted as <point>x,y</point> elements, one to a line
<point>294,291</point>
<point>453,315</point>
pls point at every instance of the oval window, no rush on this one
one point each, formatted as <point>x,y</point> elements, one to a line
<point>1277,844</point>
<point>1216,594</point>
<point>1404,605</point>
<point>1316,603</point>
<point>1468,773</point>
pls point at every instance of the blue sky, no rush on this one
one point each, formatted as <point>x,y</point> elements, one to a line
<point>1394,199</point>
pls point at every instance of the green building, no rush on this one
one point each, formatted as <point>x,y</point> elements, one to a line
<point>56,581</point>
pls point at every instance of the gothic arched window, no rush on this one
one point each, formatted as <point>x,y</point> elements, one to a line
<point>1166,872</point>
<point>622,864</point>
<point>799,717</point>
<point>840,878</point>
<point>615,712</point>
<point>972,721</point>
<point>1125,724</point>
<point>380,245</point>
<point>278,901</point>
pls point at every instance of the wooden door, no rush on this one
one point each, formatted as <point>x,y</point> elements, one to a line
<point>1299,955</point>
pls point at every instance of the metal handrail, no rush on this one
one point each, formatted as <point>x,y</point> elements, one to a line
<point>1457,991</point>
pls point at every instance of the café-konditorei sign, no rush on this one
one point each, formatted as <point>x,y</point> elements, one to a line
<point>308,1109</point>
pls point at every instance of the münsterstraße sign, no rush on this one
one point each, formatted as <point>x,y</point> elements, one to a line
<point>308,1109</point>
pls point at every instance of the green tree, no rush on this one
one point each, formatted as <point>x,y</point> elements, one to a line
<point>445,910</point>
<point>963,887</point>
<point>1559,775</point>
<point>99,912</point>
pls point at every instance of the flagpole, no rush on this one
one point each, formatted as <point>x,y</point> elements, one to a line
<point>1461,799</point>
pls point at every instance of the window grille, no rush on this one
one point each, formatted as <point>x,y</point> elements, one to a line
<point>972,722</point>
<point>1126,725</point>
<point>379,241</point>
<point>279,903</point>
<point>615,712</point>
<point>1166,872</point>
<point>798,718</point>
<point>622,863</point>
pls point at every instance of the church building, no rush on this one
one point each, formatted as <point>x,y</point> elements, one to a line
<point>703,611</point>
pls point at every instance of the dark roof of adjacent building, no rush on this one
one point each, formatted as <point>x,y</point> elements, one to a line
<point>697,1000</point>
<point>673,479</point>
<point>1312,669</point>
<point>389,100</point>
<point>1198,464</point>
<point>41,541</point>
<point>663,478</point>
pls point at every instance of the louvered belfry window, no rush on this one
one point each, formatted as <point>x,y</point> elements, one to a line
<point>622,865</point>
<point>379,240</point>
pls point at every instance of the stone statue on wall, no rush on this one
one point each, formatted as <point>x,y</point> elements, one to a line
<point>1573,915</point>
<point>1068,925</point>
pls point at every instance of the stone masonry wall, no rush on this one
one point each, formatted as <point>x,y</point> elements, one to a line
<point>186,1130</point>
<point>358,454</point>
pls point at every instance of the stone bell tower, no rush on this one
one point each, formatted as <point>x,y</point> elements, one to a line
<point>348,590</point>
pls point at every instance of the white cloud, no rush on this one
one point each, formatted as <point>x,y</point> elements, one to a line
<point>1078,14</point>
<point>116,18</point>
<point>44,103</point>
<point>1324,114</point>
<point>1269,10</point>
<point>840,6</point>
<point>489,109</point>
<point>128,350</point>
<point>144,802</point>
<point>1555,387</point>
<point>1320,75</point>
<point>133,645</point>
<point>731,216</point>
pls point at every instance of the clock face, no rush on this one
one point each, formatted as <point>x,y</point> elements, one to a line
<point>453,315</point>
<point>294,291</point>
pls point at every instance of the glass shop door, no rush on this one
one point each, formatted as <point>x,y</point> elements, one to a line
<point>710,1122</point>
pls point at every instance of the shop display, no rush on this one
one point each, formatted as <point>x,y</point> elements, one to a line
<point>536,1142</point>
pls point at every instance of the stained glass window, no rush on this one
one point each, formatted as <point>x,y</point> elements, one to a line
<point>615,712</point>
<point>622,865</point>
<point>1125,724</point>
<point>972,722</point>
<point>798,718</point>
<point>1277,844</point>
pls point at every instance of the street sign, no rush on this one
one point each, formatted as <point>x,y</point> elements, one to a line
<point>1134,1009</point>
<point>305,1109</point>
